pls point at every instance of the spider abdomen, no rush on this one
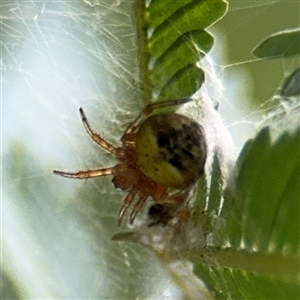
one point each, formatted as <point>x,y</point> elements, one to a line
<point>171,150</point>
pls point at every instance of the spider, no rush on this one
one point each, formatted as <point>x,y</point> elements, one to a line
<point>161,156</point>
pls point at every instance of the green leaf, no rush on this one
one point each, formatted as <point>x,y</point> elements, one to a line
<point>188,78</point>
<point>291,86</point>
<point>282,44</point>
<point>193,16</point>
<point>186,48</point>
<point>261,212</point>
<point>159,10</point>
<point>267,192</point>
<point>216,184</point>
<point>228,283</point>
<point>178,42</point>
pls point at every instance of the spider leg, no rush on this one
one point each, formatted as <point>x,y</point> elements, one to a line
<point>138,206</point>
<point>127,201</point>
<point>96,137</point>
<point>147,111</point>
<point>86,174</point>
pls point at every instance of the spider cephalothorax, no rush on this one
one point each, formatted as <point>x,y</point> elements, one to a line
<point>161,156</point>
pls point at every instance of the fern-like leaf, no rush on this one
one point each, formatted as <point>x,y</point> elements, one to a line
<point>178,42</point>
<point>262,214</point>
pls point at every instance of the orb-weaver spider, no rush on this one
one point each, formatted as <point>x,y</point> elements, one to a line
<point>161,156</point>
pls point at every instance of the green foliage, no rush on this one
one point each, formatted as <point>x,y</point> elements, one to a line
<point>266,200</point>
<point>262,215</point>
<point>178,41</point>
<point>282,44</point>
<point>291,86</point>
<point>189,79</point>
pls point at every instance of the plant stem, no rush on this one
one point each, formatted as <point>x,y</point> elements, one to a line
<point>143,50</point>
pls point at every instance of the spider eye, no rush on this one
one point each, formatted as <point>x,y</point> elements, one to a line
<point>171,150</point>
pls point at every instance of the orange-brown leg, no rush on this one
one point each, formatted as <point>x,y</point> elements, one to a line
<point>96,137</point>
<point>147,111</point>
<point>126,203</point>
<point>86,174</point>
<point>137,207</point>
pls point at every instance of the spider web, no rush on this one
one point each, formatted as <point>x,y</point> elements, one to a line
<point>57,56</point>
